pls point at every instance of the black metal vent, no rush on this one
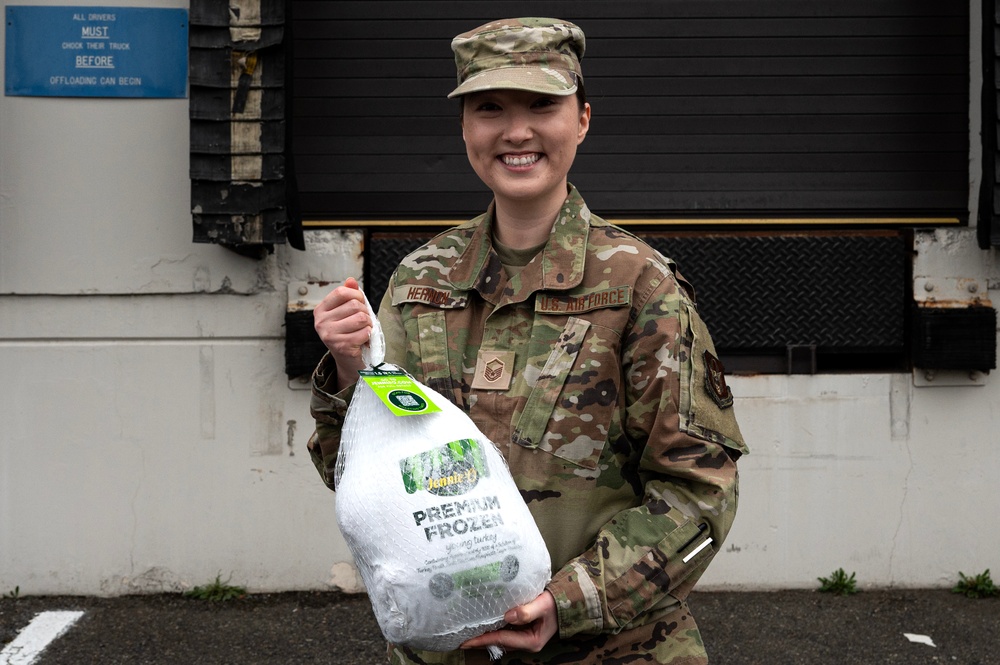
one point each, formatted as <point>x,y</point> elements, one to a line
<point>242,189</point>
<point>955,338</point>
<point>303,347</point>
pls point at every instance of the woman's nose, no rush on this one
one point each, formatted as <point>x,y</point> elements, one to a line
<point>518,129</point>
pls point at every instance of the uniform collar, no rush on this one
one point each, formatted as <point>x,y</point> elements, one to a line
<point>561,260</point>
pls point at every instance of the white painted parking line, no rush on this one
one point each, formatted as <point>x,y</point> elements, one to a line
<point>43,629</point>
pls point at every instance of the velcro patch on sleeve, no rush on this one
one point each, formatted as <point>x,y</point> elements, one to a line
<point>707,411</point>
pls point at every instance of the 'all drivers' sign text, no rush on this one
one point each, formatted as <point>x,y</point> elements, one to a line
<point>96,51</point>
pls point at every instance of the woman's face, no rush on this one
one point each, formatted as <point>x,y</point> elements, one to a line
<point>522,144</point>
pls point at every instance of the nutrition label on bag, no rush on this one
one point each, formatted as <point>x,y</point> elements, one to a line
<point>398,392</point>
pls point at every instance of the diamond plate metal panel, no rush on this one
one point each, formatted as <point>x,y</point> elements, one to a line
<point>383,252</point>
<point>839,293</point>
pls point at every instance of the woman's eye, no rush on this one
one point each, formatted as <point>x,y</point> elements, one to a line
<point>488,106</point>
<point>543,102</point>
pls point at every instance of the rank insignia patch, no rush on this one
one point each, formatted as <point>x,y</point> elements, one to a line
<point>715,382</point>
<point>494,370</point>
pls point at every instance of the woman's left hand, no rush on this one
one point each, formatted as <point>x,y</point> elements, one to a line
<point>530,627</point>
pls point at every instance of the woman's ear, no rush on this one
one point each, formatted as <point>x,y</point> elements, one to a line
<point>584,123</point>
<point>461,118</point>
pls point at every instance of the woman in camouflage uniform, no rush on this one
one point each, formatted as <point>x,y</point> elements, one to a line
<point>578,350</point>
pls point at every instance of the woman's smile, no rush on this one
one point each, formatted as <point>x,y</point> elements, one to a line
<point>521,161</point>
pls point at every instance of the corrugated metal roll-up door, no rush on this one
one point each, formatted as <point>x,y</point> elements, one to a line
<point>988,229</point>
<point>855,109</point>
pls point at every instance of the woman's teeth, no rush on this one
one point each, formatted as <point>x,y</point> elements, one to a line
<point>520,160</point>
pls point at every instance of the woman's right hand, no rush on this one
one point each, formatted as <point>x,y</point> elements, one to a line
<point>343,324</point>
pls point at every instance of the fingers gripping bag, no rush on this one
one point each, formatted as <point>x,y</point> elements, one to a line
<point>441,536</point>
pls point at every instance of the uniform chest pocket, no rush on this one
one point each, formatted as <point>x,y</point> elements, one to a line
<point>428,354</point>
<point>572,401</point>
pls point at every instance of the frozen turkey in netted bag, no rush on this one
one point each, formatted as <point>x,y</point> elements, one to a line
<point>440,534</point>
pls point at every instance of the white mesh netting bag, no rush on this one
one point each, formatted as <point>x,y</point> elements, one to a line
<point>440,534</point>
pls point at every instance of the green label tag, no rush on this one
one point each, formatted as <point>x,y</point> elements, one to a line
<point>398,392</point>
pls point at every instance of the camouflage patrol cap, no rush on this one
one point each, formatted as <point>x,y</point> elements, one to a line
<point>534,54</point>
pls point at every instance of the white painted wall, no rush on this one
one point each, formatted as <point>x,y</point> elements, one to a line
<point>892,477</point>
<point>149,439</point>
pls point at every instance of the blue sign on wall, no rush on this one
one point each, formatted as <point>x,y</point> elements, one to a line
<point>96,52</point>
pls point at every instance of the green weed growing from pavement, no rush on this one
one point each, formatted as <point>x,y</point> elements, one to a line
<point>16,593</point>
<point>838,583</point>
<point>217,591</point>
<point>980,586</point>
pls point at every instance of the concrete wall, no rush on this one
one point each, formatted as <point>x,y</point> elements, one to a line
<point>149,439</point>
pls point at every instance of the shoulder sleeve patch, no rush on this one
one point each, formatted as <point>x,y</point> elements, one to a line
<point>715,381</point>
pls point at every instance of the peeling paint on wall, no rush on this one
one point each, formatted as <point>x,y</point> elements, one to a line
<point>206,398</point>
<point>900,394</point>
<point>345,577</point>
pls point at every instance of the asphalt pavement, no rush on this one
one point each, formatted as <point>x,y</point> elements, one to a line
<point>333,628</point>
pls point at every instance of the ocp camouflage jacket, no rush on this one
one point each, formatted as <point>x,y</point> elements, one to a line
<point>596,378</point>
